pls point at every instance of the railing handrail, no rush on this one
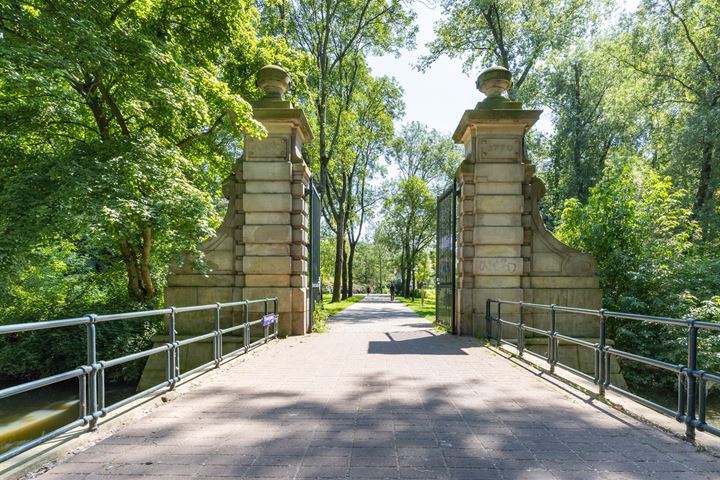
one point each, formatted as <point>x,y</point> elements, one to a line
<point>91,377</point>
<point>691,381</point>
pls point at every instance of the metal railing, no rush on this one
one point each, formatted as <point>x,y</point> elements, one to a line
<point>691,383</point>
<point>91,377</point>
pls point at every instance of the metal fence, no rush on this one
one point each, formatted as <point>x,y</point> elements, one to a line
<point>91,377</point>
<point>692,382</point>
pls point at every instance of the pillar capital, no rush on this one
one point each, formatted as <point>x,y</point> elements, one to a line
<point>496,110</point>
<point>273,108</point>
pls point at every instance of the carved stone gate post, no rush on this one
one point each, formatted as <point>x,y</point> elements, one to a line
<point>261,248</point>
<point>504,249</point>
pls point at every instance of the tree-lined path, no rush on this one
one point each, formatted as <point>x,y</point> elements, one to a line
<point>383,395</point>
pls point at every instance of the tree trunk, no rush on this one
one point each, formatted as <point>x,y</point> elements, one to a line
<point>339,254</point>
<point>703,191</point>
<point>351,257</point>
<point>146,264</point>
<point>135,290</point>
<point>345,293</point>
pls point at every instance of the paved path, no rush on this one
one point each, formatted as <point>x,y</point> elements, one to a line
<point>384,396</point>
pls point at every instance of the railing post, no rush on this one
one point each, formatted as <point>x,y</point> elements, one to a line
<point>266,328</point>
<point>174,354</point>
<point>521,332</point>
<point>488,320</point>
<point>702,400</point>
<point>499,323</point>
<point>92,375</point>
<point>277,318</point>
<point>551,339</point>
<point>246,330</point>
<point>600,372</point>
<point>691,382</point>
<point>218,336</point>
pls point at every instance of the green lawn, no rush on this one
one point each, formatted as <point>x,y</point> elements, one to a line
<point>426,310</point>
<point>337,307</point>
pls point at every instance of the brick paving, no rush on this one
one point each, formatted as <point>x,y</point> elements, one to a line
<point>381,395</point>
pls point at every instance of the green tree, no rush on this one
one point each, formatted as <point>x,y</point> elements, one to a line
<point>670,46</point>
<point>642,233</point>
<point>425,153</point>
<point>409,225</point>
<point>118,121</point>
<point>516,34</point>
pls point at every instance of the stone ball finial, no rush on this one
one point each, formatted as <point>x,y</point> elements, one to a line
<point>274,81</point>
<point>494,81</point>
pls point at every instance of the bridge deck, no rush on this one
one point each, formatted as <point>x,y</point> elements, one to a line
<point>383,396</point>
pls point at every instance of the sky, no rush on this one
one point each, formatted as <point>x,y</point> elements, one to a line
<point>439,96</point>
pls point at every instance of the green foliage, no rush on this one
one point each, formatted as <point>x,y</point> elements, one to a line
<point>61,282</point>
<point>320,318</point>
<point>516,34</point>
<point>644,237</point>
<point>118,123</point>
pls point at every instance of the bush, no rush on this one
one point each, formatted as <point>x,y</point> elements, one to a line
<point>651,261</point>
<point>61,282</point>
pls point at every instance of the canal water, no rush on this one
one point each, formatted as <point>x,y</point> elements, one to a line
<point>32,414</point>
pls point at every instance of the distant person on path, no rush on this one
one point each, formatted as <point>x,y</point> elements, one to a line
<point>392,292</point>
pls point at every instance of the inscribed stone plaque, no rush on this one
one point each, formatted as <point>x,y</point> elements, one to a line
<point>503,149</point>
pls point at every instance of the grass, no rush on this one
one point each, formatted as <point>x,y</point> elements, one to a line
<point>426,309</point>
<point>337,307</point>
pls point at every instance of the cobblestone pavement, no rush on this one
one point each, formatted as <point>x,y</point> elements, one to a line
<point>384,396</point>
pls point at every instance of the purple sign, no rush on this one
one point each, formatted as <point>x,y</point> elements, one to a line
<point>268,319</point>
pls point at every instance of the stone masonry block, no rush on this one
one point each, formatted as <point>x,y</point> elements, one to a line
<point>266,171</point>
<point>271,202</point>
<point>267,187</point>
<point>498,235</point>
<point>267,234</point>
<point>497,281</point>
<point>300,235</point>
<point>499,204</point>
<point>496,251</point>
<point>498,266</point>
<point>267,265</point>
<point>181,296</point>
<point>498,219</point>
<point>271,280</point>
<point>500,188</point>
<point>267,218</point>
<point>498,172</point>
<point>267,249</point>
<point>283,294</point>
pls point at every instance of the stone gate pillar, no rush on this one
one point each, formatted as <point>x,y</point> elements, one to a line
<point>261,248</point>
<point>504,249</point>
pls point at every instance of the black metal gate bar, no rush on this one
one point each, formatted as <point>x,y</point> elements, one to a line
<point>445,259</point>
<point>314,271</point>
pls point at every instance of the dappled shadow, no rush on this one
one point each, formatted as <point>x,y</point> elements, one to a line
<point>424,342</point>
<point>385,425</point>
<point>387,404</point>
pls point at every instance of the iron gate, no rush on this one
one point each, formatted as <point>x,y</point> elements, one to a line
<point>314,271</point>
<point>445,259</point>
